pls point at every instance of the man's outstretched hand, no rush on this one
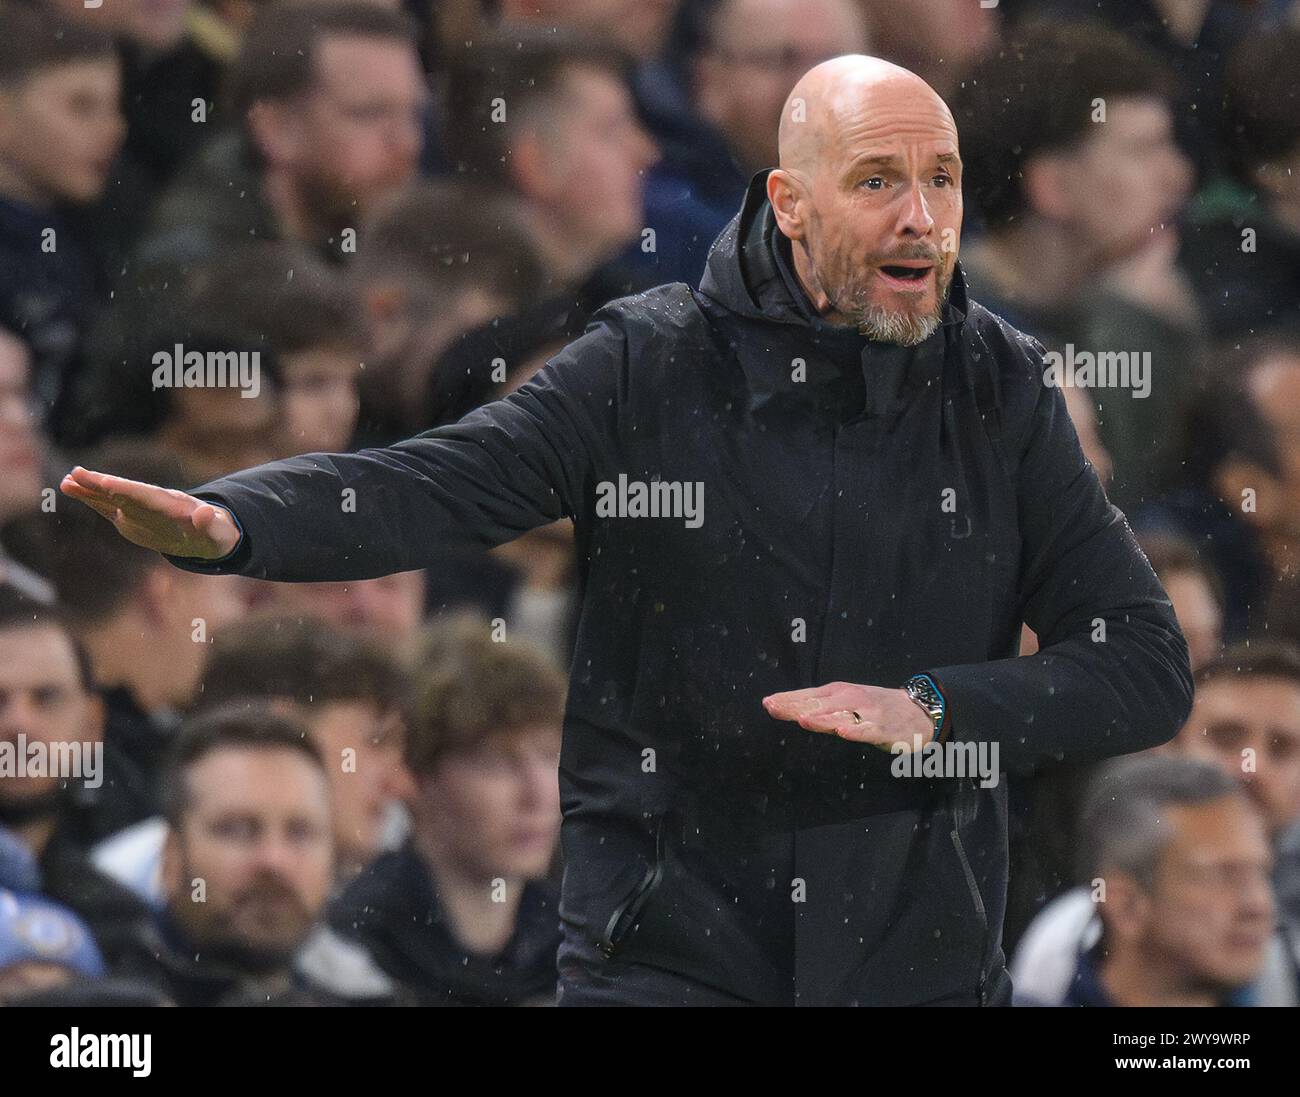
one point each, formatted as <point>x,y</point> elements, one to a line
<point>884,716</point>
<point>161,519</point>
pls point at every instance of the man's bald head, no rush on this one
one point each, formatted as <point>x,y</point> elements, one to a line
<point>841,95</point>
<point>869,194</point>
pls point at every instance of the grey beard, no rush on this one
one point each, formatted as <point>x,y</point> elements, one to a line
<point>902,328</point>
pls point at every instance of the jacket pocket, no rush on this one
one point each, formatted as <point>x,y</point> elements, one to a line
<point>625,915</point>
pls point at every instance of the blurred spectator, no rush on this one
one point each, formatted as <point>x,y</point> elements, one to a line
<point>46,703</point>
<point>277,301</point>
<point>217,429</point>
<point>1083,414</point>
<point>301,314</point>
<point>1193,588</point>
<point>248,860</point>
<point>1044,818</point>
<point>568,148</point>
<point>1246,721</point>
<point>42,946</point>
<point>1238,491</point>
<point>22,445</point>
<point>938,39</point>
<point>436,261</point>
<point>1080,190</point>
<point>352,695</point>
<point>463,913</point>
<point>1180,865</point>
<point>389,609</point>
<point>170,81</point>
<point>144,626</point>
<point>750,55</point>
<point>60,128</point>
<point>327,100</point>
<point>640,27</point>
<point>1193,39</point>
<point>1243,255</point>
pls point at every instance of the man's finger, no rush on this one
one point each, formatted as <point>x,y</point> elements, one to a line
<point>120,491</point>
<point>837,721</point>
<point>810,702</point>
<point>92,499</point>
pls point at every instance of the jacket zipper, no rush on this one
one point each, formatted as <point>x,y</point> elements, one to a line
<point>979,908</point>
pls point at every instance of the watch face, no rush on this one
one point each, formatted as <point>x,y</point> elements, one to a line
<point>927,695</point>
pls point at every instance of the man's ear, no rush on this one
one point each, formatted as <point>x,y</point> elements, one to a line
<point>1126,910</point>
<point>530,167</point>
<point>785,193</point>
<point>171,866</point>
<point>156,593</point>
<point>8,119</point>
<point>1044,183</point>
<point>1249,490</point>
<point>1276,178</point>
<point>385,301</point>
<point>706,75</point>
<point>92,720</point>
<point>275,131</point>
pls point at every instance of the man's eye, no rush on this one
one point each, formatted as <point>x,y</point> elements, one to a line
<point>235,830</point>
<point>942,179</point>
<point>874,183</point>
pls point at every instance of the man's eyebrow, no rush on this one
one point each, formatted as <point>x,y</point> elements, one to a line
<point>889,159</point>
<point>877,160</point>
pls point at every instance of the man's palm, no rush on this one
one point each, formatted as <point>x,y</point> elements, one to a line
<point>161,519</point>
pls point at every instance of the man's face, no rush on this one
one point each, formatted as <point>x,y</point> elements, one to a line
<point>189,612</point>
<point>1198,615</point>
<point>495,809</point>
<point>1210,910</point>
<point>362,748</point>
<point>595,156</point>
<point>884,212</point>
<point>358,132</point>
<point>1274,384</point>
<point>319,398</point>
<point>258,836</point>
<point>1251,727</point>
<point>42,698</point>
<point>21,444</point>
<point>1126,180</point>
<point>61,129</point>
<point>761,48</point>
<point>389,608</point>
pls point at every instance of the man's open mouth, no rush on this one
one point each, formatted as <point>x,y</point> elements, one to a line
<point>907,275</point>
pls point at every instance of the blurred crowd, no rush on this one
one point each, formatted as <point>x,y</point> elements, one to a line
<point>396,211</point>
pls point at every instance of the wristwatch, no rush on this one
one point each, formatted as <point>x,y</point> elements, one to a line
<point>921,689</point>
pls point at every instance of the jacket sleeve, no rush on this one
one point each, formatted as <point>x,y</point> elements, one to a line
<point>505,468</point>
<point>1111,675</point>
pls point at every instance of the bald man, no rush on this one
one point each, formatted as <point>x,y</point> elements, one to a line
<point>814,499</point>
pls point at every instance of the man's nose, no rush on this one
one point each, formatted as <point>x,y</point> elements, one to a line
<point>17,715</point>
<point>407,137</point>
<point>915,219</point>
<point>541,782</point>
<point>1255,899</point>
<point>276,853</point>
<point>398,784</point>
